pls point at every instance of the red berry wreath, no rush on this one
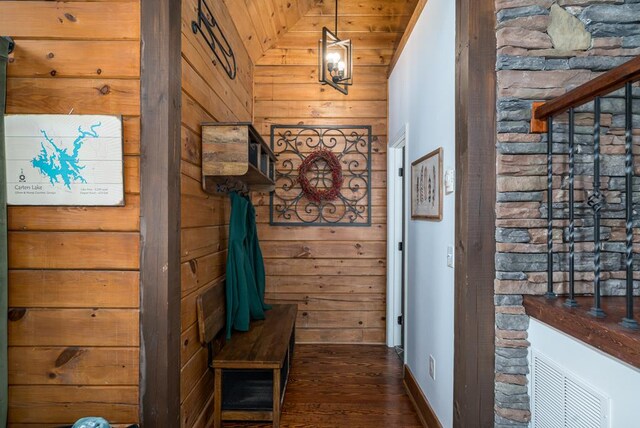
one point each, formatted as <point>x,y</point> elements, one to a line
<point>313,193</point>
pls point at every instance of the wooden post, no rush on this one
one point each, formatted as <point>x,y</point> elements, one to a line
<point>475,215</point>
<point>276,398</point>
<point>217,399</point>
<point>160,220</point>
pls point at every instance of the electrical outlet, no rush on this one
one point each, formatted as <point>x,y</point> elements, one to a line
<point>432,367</point>
<point>450,256</point>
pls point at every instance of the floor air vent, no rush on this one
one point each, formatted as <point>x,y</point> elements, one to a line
<point>561,400</point>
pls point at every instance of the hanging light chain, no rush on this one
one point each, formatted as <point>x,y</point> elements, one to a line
<point>336,18</point>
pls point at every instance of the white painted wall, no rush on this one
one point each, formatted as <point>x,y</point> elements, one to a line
<point>615,379</point>
<point>422,95</point>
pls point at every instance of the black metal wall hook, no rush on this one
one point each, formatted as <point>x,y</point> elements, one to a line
<point>12,44</point>
<point>233,185</point>
<point>215,38</point>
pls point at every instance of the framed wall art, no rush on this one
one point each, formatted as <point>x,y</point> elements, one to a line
<point>323,175</point>
<point>72,160</point>
<point>426,187</point>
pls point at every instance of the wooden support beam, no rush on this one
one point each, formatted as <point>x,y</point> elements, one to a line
<point>160,220</point>
<point>475,216</point>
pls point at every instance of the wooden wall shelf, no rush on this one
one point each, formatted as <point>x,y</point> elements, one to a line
<point>236,150</point>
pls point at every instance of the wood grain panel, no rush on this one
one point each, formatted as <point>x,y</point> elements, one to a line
<point>374,284</point>
<point>207,95</point>
<point>195,402</point>
<point>197,242</point>
<point>75,58</point>
<point>74,250</point>
<point>121,219</point>
<point>299,40</point>
<point>377,232</point>
<point>321,109</point>
<point>71,20</point>
<point>73,327</point>
<point>301,92</point>
<point>74,283</point>
<point>297,74</point>
<point>324,249</point>
<point>361,56</point>
<point>73,289</point>
<point>201,271</point>
<point>330,302</point>
<point>261,23</point>
<point>365,24</point>
<point>73,366</point>
<point>89,96</point>
<point>66,404</point>
<point>263,124</point>
<point>190,344</point>
<point>313,267</point>
<point>365,8</point>
<point>330,270</point>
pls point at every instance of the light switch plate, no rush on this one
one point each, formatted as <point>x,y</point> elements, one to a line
<point>450,256</point>
<point>449,181</point>
<point>432,367</point>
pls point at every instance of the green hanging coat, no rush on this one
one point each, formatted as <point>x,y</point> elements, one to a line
<point>245,284</point>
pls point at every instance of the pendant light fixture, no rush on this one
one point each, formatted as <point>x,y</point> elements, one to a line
<point>335,59</point>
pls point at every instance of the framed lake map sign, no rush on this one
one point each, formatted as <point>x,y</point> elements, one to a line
<point>64,160</point>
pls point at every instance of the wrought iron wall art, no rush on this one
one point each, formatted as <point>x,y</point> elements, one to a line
<point>323,175</point>
<point>208,26</point>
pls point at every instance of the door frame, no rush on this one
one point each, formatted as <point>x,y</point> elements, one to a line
<point>396,226</point>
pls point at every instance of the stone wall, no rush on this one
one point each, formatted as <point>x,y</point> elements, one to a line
<point>545,48</point>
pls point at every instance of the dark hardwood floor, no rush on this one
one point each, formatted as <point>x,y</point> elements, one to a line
<point>345,386</point>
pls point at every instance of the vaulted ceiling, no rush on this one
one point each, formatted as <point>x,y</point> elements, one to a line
<point>287,31</point>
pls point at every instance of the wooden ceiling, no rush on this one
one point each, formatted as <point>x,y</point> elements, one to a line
<point>287,31</point>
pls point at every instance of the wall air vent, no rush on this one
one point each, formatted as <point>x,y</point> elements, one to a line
<point>560,400</point>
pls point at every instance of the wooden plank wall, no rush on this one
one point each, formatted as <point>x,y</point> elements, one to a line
<point>340,284</point>
<point>73,280</point>
<point>207,95</point>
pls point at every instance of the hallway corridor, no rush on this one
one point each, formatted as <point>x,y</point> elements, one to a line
<point>342,386</point>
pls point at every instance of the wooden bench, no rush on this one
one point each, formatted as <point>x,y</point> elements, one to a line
<point>252,368</point>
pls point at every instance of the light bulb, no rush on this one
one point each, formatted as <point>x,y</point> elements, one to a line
<point>333,57</point>
<point>341,66</point>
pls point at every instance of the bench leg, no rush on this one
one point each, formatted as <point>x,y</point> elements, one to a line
<point>276,398</point>
<point>217,399</point>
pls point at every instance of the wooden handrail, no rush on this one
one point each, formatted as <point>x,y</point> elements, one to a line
<point>601,85</point>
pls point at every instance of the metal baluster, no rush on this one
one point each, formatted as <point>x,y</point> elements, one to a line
<point>550,294</point>
<point>595,202</point>
<point>571,301</point>
<point>628,321</point>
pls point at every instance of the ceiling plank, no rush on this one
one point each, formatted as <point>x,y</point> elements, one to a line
<point>277,32</point>
<point>365,24</point>
<point>364,8</point>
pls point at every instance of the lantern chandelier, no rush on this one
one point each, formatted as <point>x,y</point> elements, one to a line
<point>335,59</point>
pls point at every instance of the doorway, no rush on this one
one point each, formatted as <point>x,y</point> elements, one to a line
<point>396,244</point>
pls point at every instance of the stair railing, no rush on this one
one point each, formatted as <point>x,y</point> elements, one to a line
<point>622,77</point>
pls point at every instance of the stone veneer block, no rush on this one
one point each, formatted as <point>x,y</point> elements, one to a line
<point>566,31</point>
<point>536,63</point>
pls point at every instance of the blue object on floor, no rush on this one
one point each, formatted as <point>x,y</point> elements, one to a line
<point>91,423</point>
